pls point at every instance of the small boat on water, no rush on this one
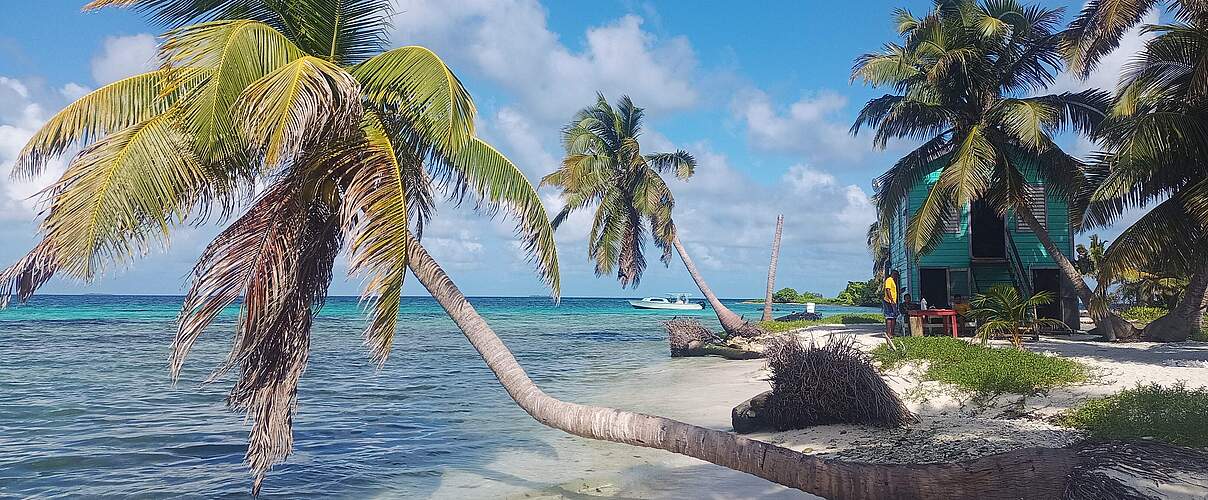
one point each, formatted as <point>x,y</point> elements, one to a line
<point>673,301</point>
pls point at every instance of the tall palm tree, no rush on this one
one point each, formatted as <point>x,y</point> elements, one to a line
<point>1153,145</point>
<point>290,114</point>
<point>604,166</point>
<point>964,76</point>
<point>767,296</point>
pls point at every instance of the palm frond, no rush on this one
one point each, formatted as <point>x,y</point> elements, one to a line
<point>120,193</point>
<point>105,110</point>
<point>497,183</point>
<point>425,91</point>
<point>223,58</point>
<point>297,106</point>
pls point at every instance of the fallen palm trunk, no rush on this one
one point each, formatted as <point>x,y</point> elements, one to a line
<point>687,337</point>
<point>1031,473</point>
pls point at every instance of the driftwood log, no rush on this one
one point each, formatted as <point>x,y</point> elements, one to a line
<point>687,337</point>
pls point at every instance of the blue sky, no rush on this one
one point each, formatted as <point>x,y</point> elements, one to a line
<point>759,92</point>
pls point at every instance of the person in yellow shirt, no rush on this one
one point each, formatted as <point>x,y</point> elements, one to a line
<point>889,303</point>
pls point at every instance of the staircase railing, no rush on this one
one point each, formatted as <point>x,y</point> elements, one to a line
<point>1015,263</point>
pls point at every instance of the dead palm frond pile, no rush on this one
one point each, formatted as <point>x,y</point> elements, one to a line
<point>684,334</point>
<point>831,383</point>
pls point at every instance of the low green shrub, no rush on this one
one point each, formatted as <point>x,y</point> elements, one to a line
<point>1176,415</point>
<point>982,369</point>
<point>838,319</point>
<point>1143,315</point>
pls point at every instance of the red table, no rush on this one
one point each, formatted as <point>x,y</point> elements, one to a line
<point>948,315</point>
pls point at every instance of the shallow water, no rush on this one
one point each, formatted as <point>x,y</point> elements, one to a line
<point>87,408</point>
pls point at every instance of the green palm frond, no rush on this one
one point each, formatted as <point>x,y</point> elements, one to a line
<point>105,110</point>
<point>343,32</point>
<point>1098,30</point>
<point>375,217</point>
<point>297,105</point>
<point>224,58</point>
<point>681,163</point>
<point>496,184</point>
<point>120,193</point>
<point>421,88</point>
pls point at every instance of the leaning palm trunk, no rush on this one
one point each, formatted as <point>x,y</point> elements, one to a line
<point>767,296</point>
<point>1185,319</point>
<point>1110,324</point>
<point>732,323</point>
<point>1028,473</point>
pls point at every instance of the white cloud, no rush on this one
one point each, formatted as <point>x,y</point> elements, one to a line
<point>1107,73</point>
<point>20,117</point>
<point>123,56</point>
<point>73,91</point>
<point>813,125</point>
<point>510,43</point>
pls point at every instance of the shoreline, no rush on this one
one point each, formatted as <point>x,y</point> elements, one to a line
<point>951,426</point>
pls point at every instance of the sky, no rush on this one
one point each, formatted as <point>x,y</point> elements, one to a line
<point>760,93</point>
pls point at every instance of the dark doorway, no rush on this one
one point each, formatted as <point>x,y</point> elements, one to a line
<point>989,237</point>
<point>933,286</point>
<point>1048,280</point>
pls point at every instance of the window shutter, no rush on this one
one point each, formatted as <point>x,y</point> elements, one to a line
<point>1034,195</point>
<point>953,223</point>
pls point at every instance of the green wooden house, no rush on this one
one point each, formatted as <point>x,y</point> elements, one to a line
<point>980,248</point>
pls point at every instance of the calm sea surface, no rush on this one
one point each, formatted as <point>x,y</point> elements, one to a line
<point>87,409</point>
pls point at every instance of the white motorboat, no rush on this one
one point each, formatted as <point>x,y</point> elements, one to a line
<point>672,301</point>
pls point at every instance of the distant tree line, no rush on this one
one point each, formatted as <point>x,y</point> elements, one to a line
<point>857,293</point>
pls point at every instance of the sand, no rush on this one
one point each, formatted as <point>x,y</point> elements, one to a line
<point>951,425</point>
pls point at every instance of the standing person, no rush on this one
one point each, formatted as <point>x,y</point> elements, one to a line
<point>889,303</point>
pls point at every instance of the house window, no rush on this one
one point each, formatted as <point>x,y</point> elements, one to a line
<point>1034,196</point>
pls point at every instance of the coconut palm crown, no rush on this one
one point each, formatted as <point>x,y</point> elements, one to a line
<point>604,166</point>
<point>1152,147</point>
<point>293,116</point>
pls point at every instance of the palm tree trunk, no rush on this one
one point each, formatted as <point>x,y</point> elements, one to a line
<point>1185,318</point>
<point>730,322</point>
<point>1110,324</point>
<point>1028,473</point>
<point>767,296</point>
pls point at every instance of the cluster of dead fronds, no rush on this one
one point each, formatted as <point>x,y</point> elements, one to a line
<point>824,384</point>
<point>684,334</point>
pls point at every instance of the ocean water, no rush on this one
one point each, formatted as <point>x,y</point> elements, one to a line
<point>87,408</point>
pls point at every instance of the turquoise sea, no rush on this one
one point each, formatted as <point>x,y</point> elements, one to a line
<point>87,408</point>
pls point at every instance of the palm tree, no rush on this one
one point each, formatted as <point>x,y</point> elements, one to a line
<point>288,113</point>
<point>767,296</point>
<point>1002,311</point>
<point>960,76</point>
<point>604,166</point>
<point>1153,144</point>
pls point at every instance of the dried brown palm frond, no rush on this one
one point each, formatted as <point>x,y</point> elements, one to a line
<point>682,333</point>
<point>830,383</point>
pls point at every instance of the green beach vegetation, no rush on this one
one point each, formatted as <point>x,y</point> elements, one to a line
<point>838,319</point>
<point>983,370</point>
<point>1001,311</point>
<point>1172,414</point>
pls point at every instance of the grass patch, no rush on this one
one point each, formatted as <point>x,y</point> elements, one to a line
<point>1176,415</point>
<point>838,319</point>
<point>1143,315</point>
<point>983,370</point>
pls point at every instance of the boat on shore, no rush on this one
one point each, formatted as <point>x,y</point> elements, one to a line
<point>672,301</point>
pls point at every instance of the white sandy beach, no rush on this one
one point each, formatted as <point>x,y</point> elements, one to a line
<point>702,391</point>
